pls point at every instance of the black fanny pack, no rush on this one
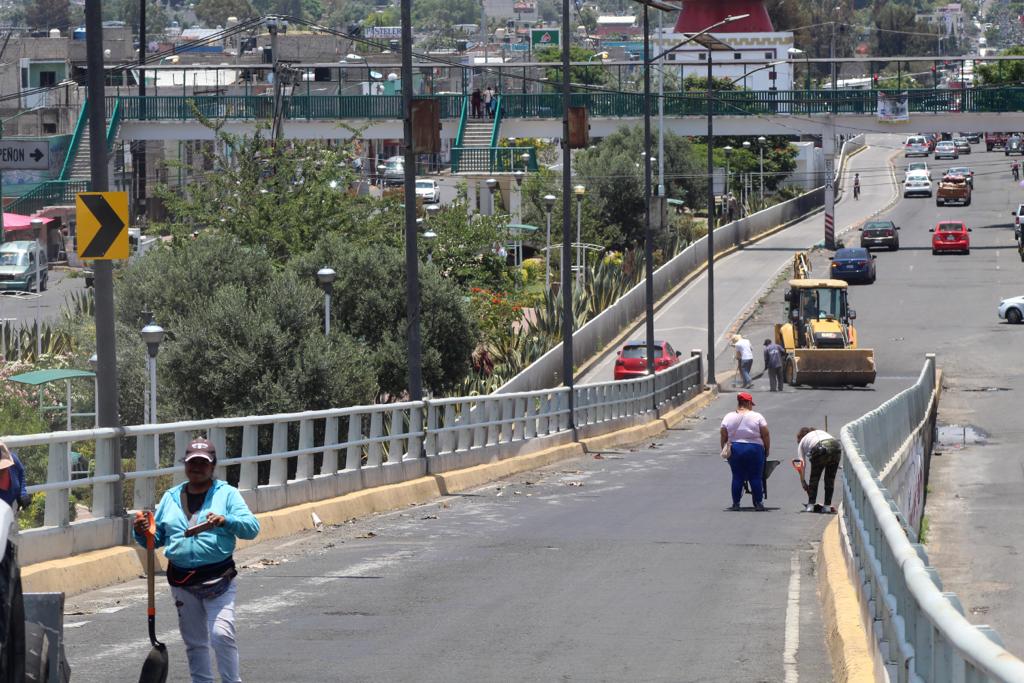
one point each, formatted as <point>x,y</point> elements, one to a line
<point>205,581</point>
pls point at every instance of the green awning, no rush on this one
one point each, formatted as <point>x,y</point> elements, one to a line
<point>37,377</point>
<point>522,227</point>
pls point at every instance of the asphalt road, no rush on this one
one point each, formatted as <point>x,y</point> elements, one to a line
<point>22,306</point>
<point>626,567</point>
<point>743,275</point>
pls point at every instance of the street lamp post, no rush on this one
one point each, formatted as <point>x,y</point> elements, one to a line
<point>549,203</point>
<point>430,236</point>
<point>353,57</point>
<point>728,154</point>
<point>761,140</point>
<point>746,176</point>
<point>326,277</point>
<point>37,233</point>
<point>579,191</point>
<point>276,26</point>
<point>93,360</point>
<point>152,334</point>
<point>492,186</point>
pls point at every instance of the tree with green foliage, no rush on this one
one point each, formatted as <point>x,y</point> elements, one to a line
<point>280,196</point>
<point>216,12</point>
<point>128,12</point>
<point>246,336</point>
<point>443,14</point>
<point>588,75</point>
<point>1009,72</point>
<point>43,15</point>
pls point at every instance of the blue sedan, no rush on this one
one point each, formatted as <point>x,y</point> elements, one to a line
<point>854,264</point>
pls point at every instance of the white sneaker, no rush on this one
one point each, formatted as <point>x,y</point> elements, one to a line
<point>809,507</point>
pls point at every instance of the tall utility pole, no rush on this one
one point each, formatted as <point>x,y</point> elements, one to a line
<point>567,319</point>
<point>276,25</point>
<point>103,292</point>
<point>412,262</point>
<point>648,232</point>
<point>711,224</point>
<point>661,116</point>
<point>140,145</point>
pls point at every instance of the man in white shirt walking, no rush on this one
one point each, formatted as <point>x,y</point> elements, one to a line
<point>823,453</point>
<point>745,358</point>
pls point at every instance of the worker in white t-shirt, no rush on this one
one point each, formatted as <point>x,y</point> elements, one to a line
<point>822,453</point>
<point>744,358</point>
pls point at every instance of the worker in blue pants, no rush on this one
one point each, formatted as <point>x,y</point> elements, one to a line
<point>746,432</point>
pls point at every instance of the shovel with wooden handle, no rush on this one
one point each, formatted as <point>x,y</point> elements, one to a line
<point>154,669</point>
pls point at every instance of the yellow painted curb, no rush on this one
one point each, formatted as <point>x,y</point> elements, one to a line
<point>845,634</point>
<point>81,573</point>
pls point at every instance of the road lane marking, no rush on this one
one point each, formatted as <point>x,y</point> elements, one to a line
<point>792,642</point>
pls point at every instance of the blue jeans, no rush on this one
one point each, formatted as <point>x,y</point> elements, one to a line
<point>745,366</point>
<point>747,463</point>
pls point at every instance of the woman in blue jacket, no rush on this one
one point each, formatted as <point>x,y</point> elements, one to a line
<point>12,479</point>
<point>200,566</point>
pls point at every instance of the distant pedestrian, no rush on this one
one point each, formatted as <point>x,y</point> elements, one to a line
<point>744,359</point>
<point>200,565</point>
<point>488,98</point>
<point>823,452</point>
<point>475,101</point>
<point>773,358</point>
<point>856,185</point>
<point>746,432</point>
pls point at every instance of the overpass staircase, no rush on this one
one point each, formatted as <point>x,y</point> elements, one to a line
<point>75,173</point>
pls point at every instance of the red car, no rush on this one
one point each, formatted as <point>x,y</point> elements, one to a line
<point>951,236</point>
<point>632,359</point>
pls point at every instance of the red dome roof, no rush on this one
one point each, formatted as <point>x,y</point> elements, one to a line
<point>697,15</point>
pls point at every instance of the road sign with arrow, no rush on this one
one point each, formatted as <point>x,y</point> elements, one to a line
<point>24,155</point>
<point>102,225</point>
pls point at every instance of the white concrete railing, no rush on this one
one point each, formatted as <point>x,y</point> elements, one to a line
<point>625,313</point>
<point>919,632</point>
<point>288,459</point>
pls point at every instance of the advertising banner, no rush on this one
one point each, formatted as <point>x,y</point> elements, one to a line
<point>893,107</point>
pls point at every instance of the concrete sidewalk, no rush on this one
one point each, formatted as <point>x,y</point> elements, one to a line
<point>741,277</point>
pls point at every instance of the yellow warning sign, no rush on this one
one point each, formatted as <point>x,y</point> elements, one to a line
<point>102,225</point>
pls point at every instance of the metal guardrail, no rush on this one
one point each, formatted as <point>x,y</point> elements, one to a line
<point>598,104</point>
<point>920,632</point>
<point>288,459</point>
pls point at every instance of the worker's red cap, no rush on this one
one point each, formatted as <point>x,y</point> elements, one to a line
<point>744,396</point>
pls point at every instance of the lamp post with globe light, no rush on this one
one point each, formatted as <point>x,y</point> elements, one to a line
<point>579,191</point>
<point>549,203</point>
<point>326,277</point>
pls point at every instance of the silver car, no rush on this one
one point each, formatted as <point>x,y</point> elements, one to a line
<point>946,150</point>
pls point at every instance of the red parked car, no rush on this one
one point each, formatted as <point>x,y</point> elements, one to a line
<point>632,359</point>
<point>951,236</point>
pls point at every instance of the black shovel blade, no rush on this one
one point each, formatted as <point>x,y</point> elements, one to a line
<point>154,669</point>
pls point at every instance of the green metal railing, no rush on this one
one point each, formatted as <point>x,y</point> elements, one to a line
<point>76,141</point>
<point>599,104</point>
<point>113,125</point>
<point>494,159</point>
<point>48,194</point>
<point>496,123</point>
<point>456,151</point>
<point>63,189</point>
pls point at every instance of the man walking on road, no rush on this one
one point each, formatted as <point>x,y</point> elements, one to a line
<point>773,355</point>
<point>744,357</point>
<point>823,452</point>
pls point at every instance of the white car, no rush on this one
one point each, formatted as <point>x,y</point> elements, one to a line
<point>429,190</point>
<point>917,167</point>
<point>1012,310</point>
<point>917,184</point>
<point>1017,216</point>
<point>946,150</point>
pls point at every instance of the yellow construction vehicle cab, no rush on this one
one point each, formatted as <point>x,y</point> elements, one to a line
<point>820,341</point>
